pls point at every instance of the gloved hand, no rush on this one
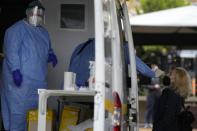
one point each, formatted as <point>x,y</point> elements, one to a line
<point>158,72</point>
<point>53,59</point>
<point>17,77</point>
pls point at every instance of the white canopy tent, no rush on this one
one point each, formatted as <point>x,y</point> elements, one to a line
<point>171,26</point>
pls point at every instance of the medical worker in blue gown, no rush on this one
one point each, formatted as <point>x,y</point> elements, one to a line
<point>85,52</point>
<point>27,50</point>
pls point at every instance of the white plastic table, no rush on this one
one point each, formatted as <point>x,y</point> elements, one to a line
<point>45,94</point>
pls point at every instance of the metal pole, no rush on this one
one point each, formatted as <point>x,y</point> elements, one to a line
<point>134,86</point>
<point>42,110</point>
<point>99,108</point>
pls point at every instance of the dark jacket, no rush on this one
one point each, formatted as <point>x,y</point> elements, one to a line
<point>167,109</point>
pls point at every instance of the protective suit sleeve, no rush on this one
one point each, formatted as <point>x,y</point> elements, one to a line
<point>140,65</point>
<point>12,43</point>
<point>143,68</point>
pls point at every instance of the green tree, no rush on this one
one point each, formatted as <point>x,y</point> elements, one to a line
<point>155,5</point>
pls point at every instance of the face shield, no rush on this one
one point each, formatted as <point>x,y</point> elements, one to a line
<point>35,16</point>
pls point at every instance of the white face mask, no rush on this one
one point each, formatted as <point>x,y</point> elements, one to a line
<point>35,16</point>
<point>35,20</point>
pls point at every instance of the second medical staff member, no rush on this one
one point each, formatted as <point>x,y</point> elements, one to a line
<point>85,52</point>
<point>27,50</point>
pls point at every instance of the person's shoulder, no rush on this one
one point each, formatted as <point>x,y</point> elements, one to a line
<point>43,29</point>
<point>79,48</point>
<point>168,91</point>
<point>16,25</point>
<point>171,93</point>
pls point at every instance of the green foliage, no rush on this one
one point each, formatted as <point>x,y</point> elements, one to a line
<point>155,5</point>
<point>154,48</point>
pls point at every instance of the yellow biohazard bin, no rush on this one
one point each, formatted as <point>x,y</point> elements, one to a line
<point>89,129</point>
<point>70,116</point>
<point>32,120</point>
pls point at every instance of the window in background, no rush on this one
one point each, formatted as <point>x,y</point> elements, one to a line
<point>72,16</point>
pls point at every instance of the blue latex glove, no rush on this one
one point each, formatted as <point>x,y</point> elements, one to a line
<point>17,77</point>
<point>53,59</point>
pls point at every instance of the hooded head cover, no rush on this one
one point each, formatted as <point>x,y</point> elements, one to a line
<point>35,3</point>
<point>35,13</point>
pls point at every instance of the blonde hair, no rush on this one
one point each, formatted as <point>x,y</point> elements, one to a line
<point>182,83</point>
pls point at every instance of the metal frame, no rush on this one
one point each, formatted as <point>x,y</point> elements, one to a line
<point>99,93</point>
<point>99,107</point>
<point>133,94</point>
<point>45,94</point>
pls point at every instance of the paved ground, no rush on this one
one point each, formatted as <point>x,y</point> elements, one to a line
<point>146,129</point>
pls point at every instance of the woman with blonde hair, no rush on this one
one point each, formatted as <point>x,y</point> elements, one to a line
<point>170,103</point>
<point>180,81</point>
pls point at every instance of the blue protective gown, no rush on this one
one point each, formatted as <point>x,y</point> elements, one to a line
<point>26,48</point>
<point>79,62</point>
<point>85,52</point>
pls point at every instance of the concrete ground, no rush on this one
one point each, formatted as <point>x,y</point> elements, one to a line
<point>149,129</point>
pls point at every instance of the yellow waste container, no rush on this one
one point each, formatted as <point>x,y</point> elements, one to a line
<point>32,120</point>
<point>70,116</point>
